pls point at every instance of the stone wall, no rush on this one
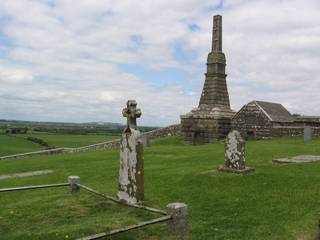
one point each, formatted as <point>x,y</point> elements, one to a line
<point>202,130</point>
<point>252,123</point>
<point>292,131</point>
<point>105,145</point>
<point>37,153</point>
<point>173,130</point>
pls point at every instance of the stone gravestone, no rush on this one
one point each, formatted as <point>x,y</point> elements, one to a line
<point>235,154</point>
<point>131,172</point>
<point>307,133</point>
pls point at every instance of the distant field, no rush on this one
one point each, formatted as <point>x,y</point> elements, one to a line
<point>68,140</point>
<point>276,202</point>
<point>19,144</point>
<point>13,145</point>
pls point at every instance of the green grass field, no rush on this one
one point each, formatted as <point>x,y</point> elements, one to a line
<point>275,202</point>
<point>13,145</point>
<point>19,144</point>
<point>69,140</point>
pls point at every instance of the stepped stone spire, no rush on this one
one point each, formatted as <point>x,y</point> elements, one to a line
<point>215,92</point>
<point>212,119</point>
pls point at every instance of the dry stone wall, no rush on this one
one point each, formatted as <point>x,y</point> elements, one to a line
<point>251,122</point>
<point>172,130</point>
<point>292,131</point>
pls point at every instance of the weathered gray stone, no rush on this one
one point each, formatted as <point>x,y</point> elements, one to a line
<point>212,119</point>
<point>178,226</point>
<point>74,181</point>
<point>235,154</point>
<point>145,140</point>
<point>307,133</point>
<point>266,120</point>
<point>298,159</point>
<point>131,172</point>
<point>131,113</point>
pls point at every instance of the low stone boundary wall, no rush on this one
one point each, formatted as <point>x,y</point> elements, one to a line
<point>172,130</point>
<point>93,147</point>
<point>292,131</point>
<point>30,154</point>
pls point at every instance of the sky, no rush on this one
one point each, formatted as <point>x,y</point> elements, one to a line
<point>80,61</point>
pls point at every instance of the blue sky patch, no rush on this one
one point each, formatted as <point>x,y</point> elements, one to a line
<point>159,78</point>
<point>193,27</point>
<point>183,55</point>
<point>215,7</point>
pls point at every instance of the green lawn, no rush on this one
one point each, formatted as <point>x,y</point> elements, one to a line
<point>275,202</point>
<point>19,144</point>
<point>69,140</point>
<point>13,145</point>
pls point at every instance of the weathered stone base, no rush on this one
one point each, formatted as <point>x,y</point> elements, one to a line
<point>202,126</point>
<point>222,168</point>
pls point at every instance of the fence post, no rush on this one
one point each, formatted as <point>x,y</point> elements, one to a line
<point>178,225</point>
<point>74,181</point>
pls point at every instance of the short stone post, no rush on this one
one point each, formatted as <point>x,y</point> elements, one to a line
<point>131,172</point>
<point>178,225</point>
<point>74,181</point>
<point>307,133</point>
<point>318,232</point>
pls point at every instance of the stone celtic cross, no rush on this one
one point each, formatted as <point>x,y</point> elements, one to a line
<point>131,112</point>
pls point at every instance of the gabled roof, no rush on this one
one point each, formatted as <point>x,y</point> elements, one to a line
<point>275,111</point>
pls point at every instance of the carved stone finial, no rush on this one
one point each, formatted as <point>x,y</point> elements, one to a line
<point>131,112</point>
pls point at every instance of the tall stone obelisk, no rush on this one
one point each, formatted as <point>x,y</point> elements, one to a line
<point>212,119</point>
<point>215,92</point>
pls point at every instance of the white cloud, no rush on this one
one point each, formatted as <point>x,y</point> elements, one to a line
<point>15,76</point>
<point>63,58</point>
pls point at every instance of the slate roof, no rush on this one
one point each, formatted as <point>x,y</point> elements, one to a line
<point>275,111</point>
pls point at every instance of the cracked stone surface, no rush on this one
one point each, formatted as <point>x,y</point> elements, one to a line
<point>235,151</point>
<point>234,161</point>
<point>131,171</point>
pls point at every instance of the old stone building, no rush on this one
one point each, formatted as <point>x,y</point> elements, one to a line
<point>265,120</point>
<point>212,119</point>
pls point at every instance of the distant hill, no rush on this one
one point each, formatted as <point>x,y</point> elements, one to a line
<point>68,127</point>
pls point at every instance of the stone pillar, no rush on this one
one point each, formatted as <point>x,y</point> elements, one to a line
<point>178,226</point>
<point>307,133</point>
<point>217,34</point>
<point>131,172</point>
<point>235,154</point>
<point>211,120</point>
<point>74,181</point>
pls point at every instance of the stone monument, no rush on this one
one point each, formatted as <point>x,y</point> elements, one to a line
<point>131,172</point>
<point>212,119</point>
<point>235,154</point>
<point>307,133</point>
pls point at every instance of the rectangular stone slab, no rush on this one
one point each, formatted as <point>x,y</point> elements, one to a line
<point>25,174</point>
<point>233,170</point>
